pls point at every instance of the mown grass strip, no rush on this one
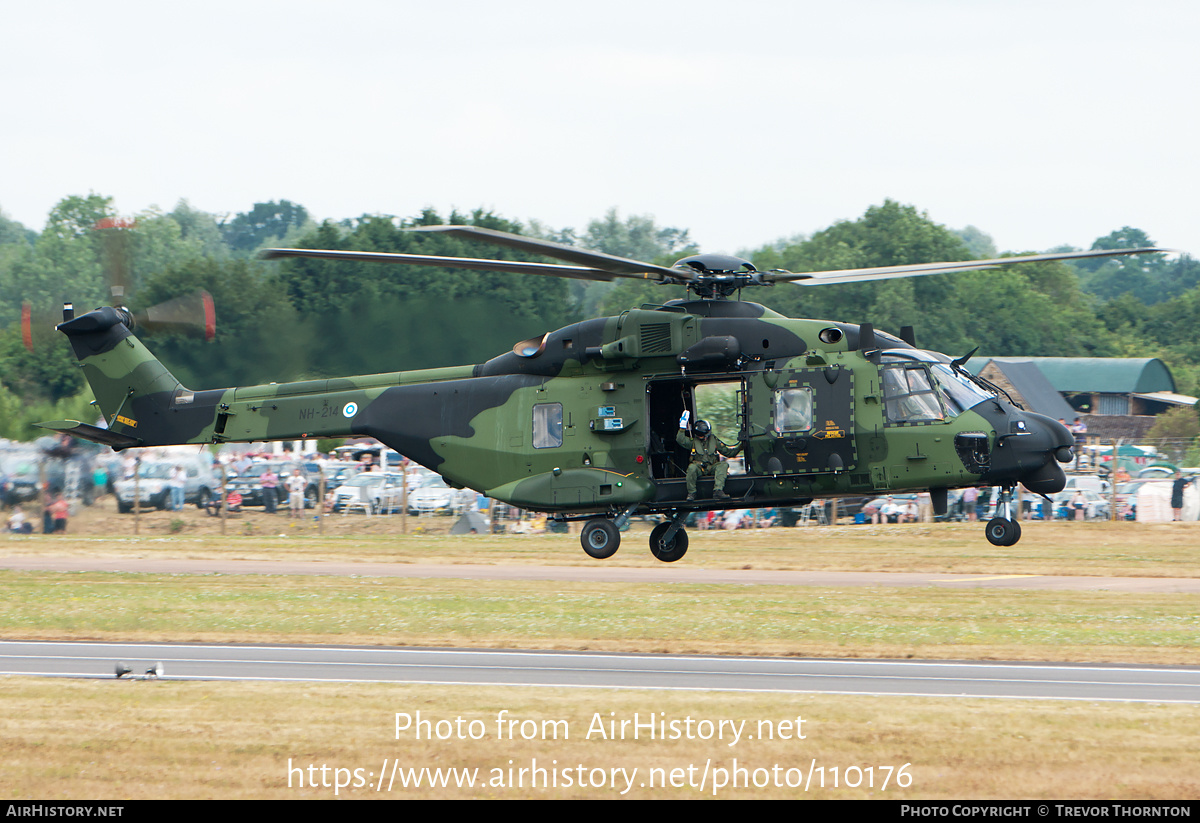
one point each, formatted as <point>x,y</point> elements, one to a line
<point>1061,548</point>
<point>857,622</point>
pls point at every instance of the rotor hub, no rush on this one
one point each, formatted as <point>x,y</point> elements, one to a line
<point>718,275</point>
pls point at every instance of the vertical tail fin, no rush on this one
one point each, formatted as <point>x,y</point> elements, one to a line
<point>132,388</point>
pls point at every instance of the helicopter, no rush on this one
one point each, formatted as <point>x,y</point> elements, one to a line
<point>592,422</point>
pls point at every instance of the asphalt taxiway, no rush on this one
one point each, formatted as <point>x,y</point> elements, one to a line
<point>1048,681</point>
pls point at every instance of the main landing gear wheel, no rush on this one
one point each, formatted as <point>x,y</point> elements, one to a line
<point>1001,532</point>
<point>668,552</point>
<point>600,538</point>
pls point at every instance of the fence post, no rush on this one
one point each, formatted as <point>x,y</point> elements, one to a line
<point>1112,478</point>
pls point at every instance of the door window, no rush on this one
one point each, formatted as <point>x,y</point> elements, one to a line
<point>793,410</point>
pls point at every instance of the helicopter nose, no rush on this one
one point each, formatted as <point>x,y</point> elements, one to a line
<point>1031,451</point>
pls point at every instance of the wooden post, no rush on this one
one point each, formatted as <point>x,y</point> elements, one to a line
<point>137,493</point>
<point>321,502</point>
<point>404,464</point>
<point>1112,480</point>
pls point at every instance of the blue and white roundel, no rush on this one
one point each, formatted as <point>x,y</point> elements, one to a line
<point>350,410</point>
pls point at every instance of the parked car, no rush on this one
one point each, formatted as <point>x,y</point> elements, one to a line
<point>380,492</point>
<point>152,489</point>
<point>338,472</point>
<point>249,483</point>
<point>435,495</point>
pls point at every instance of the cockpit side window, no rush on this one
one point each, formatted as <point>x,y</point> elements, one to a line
<point>909,395</point>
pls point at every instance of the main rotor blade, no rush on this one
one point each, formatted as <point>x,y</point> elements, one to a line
<point>600,260</point>
<point>550,269</point>
<point>824,278</point>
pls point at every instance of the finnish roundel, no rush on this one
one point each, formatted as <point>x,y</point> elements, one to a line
<point>350,410</point>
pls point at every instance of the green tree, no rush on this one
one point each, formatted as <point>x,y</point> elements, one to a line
<point>886,235</point>
<point>1029,309</point>
<point>200,230</point>
<point>376,317</point>
<point>259,335</point>
<point>637,237</point>
<point>248,231</point>
<point>76,216</point>
<point>978,242</point>
<point>1181,423</point>
<point>62,265</point>
<point>48,373</point>
<point>1152,278</point>
<point>12,232</point>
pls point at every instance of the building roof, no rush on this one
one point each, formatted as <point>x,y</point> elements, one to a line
<point>1110,375</point>
<point>1036,393</point>
<point>1171,398</point>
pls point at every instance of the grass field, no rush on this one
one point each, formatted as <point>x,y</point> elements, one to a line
<point>80,739</point>
<point>1057,548</point>
<point>120,739</point>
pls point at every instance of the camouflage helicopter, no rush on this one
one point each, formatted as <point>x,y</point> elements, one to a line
<point>583,422</point>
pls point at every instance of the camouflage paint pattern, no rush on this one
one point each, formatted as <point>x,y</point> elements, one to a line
<point>584,419</point>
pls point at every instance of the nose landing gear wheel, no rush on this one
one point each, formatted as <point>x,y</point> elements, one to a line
<point>1001,532</point>
<point>600,538</point>
<point>668,552</point>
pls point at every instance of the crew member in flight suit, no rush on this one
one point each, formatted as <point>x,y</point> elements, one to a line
<point>706,451</point>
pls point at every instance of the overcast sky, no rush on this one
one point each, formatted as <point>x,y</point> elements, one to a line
<point>1042,123</point>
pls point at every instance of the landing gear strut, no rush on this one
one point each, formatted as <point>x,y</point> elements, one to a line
<point>1003,530</point>
<point>669,541</point>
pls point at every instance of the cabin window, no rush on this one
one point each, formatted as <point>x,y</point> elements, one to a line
<point>793,410</point>
<point>547,425</point>
<point>909,396</point>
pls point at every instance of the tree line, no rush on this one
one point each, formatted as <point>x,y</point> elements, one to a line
<point>303,318</point>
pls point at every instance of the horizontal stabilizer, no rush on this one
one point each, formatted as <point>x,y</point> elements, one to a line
<point>94,433</point>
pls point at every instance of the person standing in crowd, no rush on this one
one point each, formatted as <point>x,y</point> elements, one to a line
<point>242,464</point>
<point>295,486</point>
<point>59,510</point>
<point>925,507</point>
<point>176,483</point>
<point>1079,505</point>
<point>270,486</point>
<point>983,502</point>
<point>1177,487</point>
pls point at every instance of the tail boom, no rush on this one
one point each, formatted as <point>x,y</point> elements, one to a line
<point>145,405</point>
